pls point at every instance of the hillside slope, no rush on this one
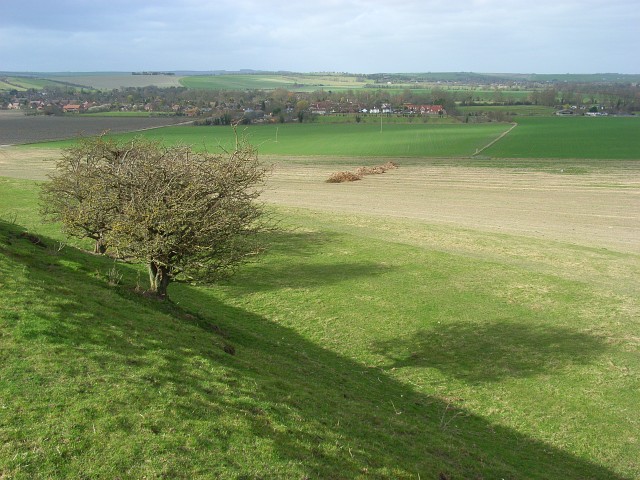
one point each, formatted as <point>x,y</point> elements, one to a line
<point>97,381</point>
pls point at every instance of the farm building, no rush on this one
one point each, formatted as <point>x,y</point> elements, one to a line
<point>72,108</point>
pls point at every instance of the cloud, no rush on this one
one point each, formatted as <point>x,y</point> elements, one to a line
<point>343,35</point>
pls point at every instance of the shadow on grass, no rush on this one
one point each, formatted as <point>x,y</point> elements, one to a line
<point>290,273</point>
<point>281,407</point>
<point>491,352</point>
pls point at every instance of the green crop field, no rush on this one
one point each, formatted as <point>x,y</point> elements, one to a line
<point>386,119</point>
<point>571,137</point>
<point>352,140</point>
<point>25,83</point>
<point>108,81</point>
<point>615,138</point>
<point>526,110</point>
<point>311,82</point>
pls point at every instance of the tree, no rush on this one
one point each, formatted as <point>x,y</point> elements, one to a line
<point>81,191</point>
<point>549,97</point>
<point>186,214</point>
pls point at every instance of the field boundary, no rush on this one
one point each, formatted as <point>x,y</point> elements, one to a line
<point>500,137</point>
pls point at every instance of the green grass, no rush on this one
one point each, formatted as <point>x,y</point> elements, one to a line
<point>364,348</point>
<point>355,140</point>
<point>386,119</point>
<point>525,110</point>
<point>571,137</point>
<point>108,81</point>
<point>540,138</point>
<point>297,82</point>
<point>25,83</point>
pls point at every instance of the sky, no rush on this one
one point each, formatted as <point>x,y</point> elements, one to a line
<point>355,36</point>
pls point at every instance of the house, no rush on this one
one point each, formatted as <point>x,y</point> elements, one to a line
<point>72,108</point>
<point>425,109</point>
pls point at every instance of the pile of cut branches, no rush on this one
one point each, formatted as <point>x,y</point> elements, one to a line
<point>346,176</point>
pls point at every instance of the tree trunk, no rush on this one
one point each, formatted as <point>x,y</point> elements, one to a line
<point>100,247</point>
<point>158,280</point>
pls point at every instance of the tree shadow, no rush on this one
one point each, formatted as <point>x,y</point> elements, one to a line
<point>288,272</point>
<point>491,352</point>
<point>319,412</point>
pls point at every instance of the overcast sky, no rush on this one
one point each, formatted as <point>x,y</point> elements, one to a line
<point>356,36</point>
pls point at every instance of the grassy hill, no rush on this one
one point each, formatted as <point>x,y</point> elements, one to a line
<point>356,348</point>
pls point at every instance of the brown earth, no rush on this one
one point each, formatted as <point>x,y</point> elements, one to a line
<point>600,210</point>
<point>593,209</point>
<point>16,128</point>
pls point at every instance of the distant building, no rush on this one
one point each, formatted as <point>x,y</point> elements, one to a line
<point>425,109</point>
<point>72,108</point>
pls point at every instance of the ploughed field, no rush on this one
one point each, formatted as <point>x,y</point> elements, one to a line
<point>598,208</point>
<point>17,128</point>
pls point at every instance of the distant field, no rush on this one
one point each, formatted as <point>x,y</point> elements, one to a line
<point>386,119</point>
<point>118,80</point>
<point>129,114</point>
<point>309,83</point>
<point>527,110</point>
<point>533,138</point>
<point>24,83</point>
<point>488,95</point>
<point>17,128</point>
<point>270,82</point>
<point>571,137</point>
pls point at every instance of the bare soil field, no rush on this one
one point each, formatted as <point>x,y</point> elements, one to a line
<point>600,210</point>
<point>592,209</point>
<point>17,128</point>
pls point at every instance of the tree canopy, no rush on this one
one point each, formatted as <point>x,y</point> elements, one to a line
<point>186,214</point>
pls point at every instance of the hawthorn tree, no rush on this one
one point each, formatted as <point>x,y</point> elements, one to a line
<point>186,214</point>
<point>81,193</point>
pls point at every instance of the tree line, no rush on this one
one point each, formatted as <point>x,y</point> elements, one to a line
<point>624,97</point>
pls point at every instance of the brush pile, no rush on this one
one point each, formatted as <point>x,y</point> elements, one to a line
<point>360,172</point>
<point>340,177</point>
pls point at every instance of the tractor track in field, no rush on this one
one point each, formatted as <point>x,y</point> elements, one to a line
<point>496,140</point>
